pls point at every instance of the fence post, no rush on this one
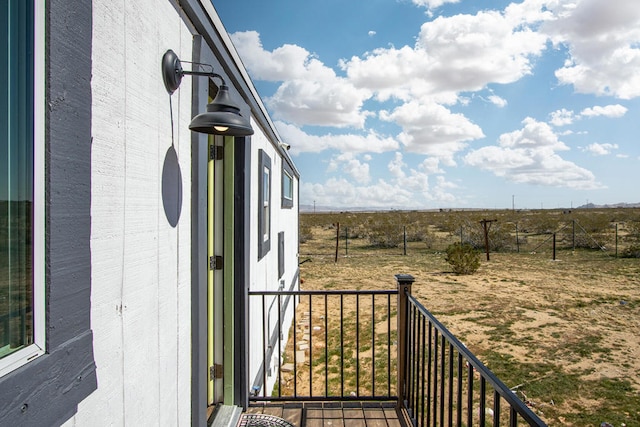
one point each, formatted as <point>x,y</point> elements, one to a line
<point>404,282</point>
<point>337,240</point>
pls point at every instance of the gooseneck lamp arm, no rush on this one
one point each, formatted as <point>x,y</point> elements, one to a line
<point>222,116</point>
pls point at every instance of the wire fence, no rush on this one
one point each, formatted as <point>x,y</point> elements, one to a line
<point>352,234</point>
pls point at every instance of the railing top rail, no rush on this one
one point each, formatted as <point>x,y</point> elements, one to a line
<point>497,384</point>
<point>326,292</point>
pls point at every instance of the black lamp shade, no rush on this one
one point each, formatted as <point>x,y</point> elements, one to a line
<point>222,117</point>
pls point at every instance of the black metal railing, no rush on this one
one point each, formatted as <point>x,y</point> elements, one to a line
<point>444,384</point>
<point>376,345</point>
<point>343,345</point>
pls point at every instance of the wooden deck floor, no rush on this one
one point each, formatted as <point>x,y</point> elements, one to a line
<point>333,414</point>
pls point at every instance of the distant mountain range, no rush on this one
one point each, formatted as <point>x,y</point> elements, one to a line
<point>616,205</point>
<point>320,209</point>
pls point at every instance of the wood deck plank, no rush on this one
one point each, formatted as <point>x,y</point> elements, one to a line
<point>332,414</point>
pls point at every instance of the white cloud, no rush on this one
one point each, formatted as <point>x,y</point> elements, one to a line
<point>417,180</point>
<point>498,101</point>
<point>431,165</point>
<point>469,51</point>
<point>432,4</point>
<point>311,93</point>
<point>614,111</point>
<point>534,134</point>
<point>371,33</point>
<point>600,149</point>
<point>562,117</point>
<point>407,189</point>
<point>349,164</point>
<point>301,141</point>
<point>331,101</point>
<point>343,193</point>
<point>453,54</point>
<point>432,129</point>
<point>284,63</point>
<point>565,117</point>
<point>396,166</point>
<point>603,42</point>
<point>529,156</point>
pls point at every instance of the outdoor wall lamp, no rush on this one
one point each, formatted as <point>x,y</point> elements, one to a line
<point>222,116</point>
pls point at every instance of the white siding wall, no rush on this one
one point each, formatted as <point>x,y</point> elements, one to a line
<point>264,274</point>
<point>141,277</point>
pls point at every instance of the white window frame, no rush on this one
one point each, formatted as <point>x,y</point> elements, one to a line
<point>266,201</point>
<point>21,357</point>
<point>287,175</point>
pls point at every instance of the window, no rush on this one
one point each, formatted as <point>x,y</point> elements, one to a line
<point>287,185</point>
<point>264,205</point>
<point>21,186</point>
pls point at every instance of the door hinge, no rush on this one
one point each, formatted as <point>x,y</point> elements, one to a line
<point>215,262</point>
<point>216,152</point>
<point>216,371</point>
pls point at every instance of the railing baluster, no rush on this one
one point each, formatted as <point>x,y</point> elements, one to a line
<point>496,409</point>
<point>513,417</point>
<point>310,346</point>
<point>295,346</point>
<point>423,368</point>
<point>373,344</point>
<point>483,403</point>
<point>411,361</point>
<point>358,345</point>
<point>429,372</point>
<point>435,376</point>
<point>389,345</point>
<point>416,366</point>
<point>341,345</point>
<point>279,345</point>
<point>442,371</point>
<point>264,346</point>
<point>470,394</point>
<point>459,391</point>
<point>450,418</point>
<point>326,348</point>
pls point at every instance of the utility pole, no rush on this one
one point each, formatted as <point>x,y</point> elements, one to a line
<point>486,225</point>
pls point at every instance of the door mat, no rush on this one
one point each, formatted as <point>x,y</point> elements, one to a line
<point>262,420</point>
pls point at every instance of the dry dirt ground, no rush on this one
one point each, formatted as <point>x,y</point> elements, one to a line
<point>566,330</point>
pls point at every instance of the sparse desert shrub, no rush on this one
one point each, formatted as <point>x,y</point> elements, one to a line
<point>632,251</point>
<point>591,241</point>
<point>306,233</point>
<point>500,239</point>
<point>352,232</point>
<point>384,233</point>
<point>464,258</point>
<point>593,222</point>
<point>416,234</point>
<point>544,223</point>
<point>633,230</point>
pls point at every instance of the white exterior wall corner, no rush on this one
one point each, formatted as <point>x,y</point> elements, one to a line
<point>140,301</point>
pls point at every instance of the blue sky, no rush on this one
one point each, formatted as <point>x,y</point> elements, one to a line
<point>427,104</point>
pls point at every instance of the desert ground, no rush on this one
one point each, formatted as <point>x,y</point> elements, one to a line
<point>561,332</point>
